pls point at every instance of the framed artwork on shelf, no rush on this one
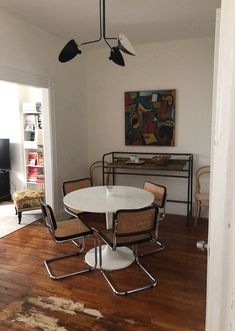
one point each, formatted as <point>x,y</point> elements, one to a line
<point>150,118</point>
<point>32,158</point>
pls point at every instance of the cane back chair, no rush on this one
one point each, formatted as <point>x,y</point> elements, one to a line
<point>72,185</point>
<point>72,230</point>
<point>160,194</point>
<point>130,228</point>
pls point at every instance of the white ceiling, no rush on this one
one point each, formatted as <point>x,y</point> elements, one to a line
<point>143,21</point>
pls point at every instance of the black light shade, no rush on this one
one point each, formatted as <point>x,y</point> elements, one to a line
<point>125,45</point>
<point>116,56</point>
<point>69,51</point>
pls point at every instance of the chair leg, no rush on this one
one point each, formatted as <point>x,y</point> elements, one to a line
<point>54,277</point>
<point>80,244</point>
<point>154,240</point>
<point>199,210</point>
<point>160,248</point>
<point>19,216</point>
<point>196,212</point>
<point>152,284</point>
<point>198,206</point>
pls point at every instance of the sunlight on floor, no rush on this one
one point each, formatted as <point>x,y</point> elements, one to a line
<point>9,221</point>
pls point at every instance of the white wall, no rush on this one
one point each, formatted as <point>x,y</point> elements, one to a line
<point>28,49</point>
<point>185,65</point>
<point>92,88</point>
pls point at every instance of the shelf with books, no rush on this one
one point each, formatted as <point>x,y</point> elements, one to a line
<point>35,175</point>
<point>34,158</point>
<point>33,143</point>
<point>36,166</point>
<point>41,183</point>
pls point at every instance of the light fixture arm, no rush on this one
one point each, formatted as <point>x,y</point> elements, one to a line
<point>100,37</point>
<point>102,22</point>
<point>104,26</point>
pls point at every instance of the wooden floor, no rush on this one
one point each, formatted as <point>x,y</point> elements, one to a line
<point>86,302</point>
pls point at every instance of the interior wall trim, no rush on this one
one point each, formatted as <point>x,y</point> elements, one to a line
<point>36,80</point>
<point>25,78</point>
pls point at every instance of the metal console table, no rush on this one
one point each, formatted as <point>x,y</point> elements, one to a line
<point>179,165</point>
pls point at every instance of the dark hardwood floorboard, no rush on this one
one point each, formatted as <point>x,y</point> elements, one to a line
<point>177,303</point>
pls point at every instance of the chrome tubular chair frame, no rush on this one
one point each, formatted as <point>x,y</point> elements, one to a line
<point>160,194</point>
<point>48,261</point>
<point>129,238</point>
<point>113,287</point>
<point>51,224</point>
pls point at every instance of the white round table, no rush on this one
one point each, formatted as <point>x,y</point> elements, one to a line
<point>100,199</point>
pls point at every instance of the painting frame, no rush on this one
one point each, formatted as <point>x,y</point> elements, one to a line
<point>150,118</point>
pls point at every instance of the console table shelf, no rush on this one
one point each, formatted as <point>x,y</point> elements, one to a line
<point>179,165</point>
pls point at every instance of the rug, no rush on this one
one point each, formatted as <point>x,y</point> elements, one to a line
<point>9,220</point>
<point>59,314</point>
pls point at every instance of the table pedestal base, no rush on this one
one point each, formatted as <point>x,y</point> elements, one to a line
<point>111,260</point>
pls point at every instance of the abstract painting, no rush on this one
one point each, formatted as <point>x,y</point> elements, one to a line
<point>150,118</point>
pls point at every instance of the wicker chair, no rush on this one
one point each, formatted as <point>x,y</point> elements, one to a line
<point>93,173</point>
<point>201,197</point>
<point>73,230</point>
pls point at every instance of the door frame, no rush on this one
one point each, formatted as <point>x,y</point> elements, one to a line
<point>220,310</point>
<point>45,83</point>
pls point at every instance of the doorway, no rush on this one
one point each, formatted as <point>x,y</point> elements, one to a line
<point>14,92</point>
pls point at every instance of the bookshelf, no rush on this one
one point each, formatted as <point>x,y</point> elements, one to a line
<point>33,144</point>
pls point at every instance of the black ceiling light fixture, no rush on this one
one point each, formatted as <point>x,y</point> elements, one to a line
<point>71,49</point>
